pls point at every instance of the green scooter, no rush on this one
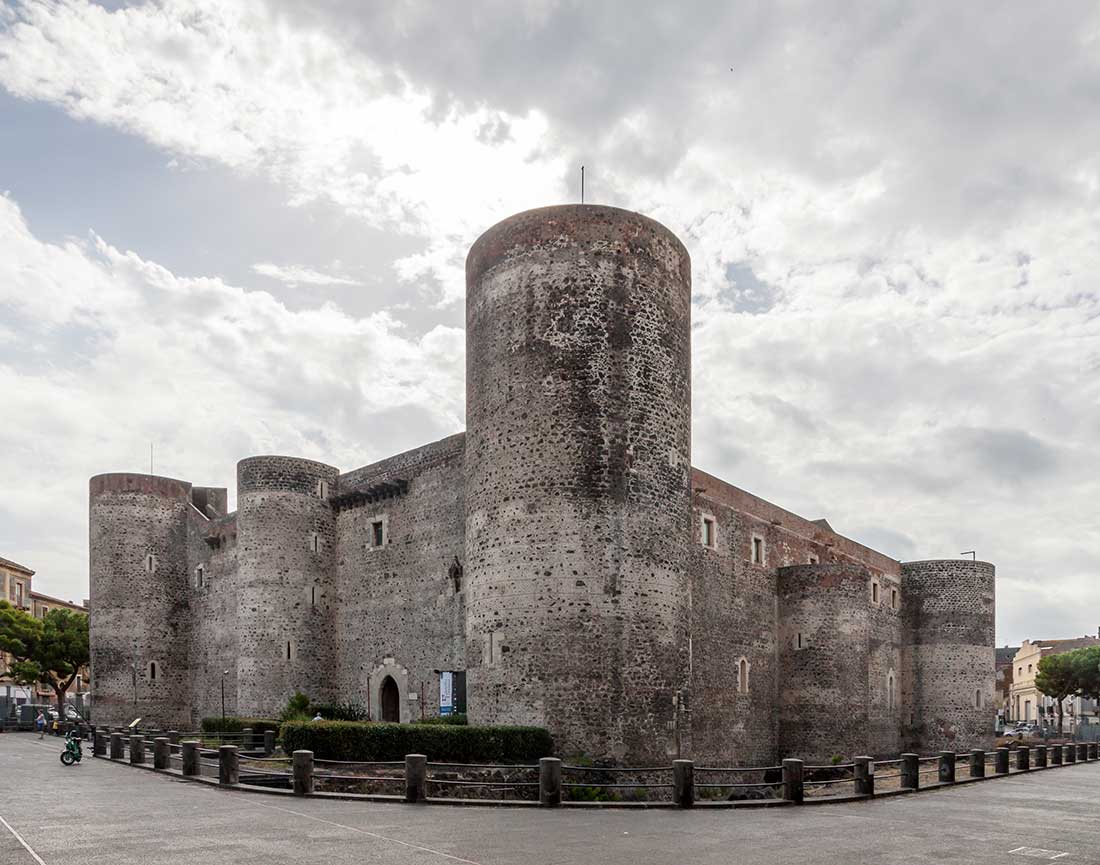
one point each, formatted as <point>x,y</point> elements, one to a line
<point>73,752</point>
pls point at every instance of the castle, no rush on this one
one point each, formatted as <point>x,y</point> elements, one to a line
<point>560,563</point>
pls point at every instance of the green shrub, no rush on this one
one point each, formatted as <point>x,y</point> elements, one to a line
<point>458,719</point>
<point>235,725</point>
<point>349,710</point>
<point>297,708</point>
<point>442,743</point>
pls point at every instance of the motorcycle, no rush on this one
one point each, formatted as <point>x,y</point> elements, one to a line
<point>73,753</point>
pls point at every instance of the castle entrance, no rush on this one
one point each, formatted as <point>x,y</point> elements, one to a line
<point>390,699</point>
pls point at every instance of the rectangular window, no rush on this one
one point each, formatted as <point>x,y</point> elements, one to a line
<point>150,563</point>
<point>200,577</point>
<point>377,533</point>
<point>757,551</point>
<point>874,591</point>
<point>709,533</point>
<point>893,599</point>
<point>313,596</point>
<point>314,542</point>
<point>322,489</point>
<point>798,642</point>
<point>19,595</point>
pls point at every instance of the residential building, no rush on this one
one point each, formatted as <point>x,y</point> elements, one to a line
<point>1028,703</point>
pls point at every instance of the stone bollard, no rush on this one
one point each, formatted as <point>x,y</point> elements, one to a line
<point>865,776</point>
<point>793,789</point>
<point>246,739</point>
<point>191,765</point>
<point>910,771</point>
<point>99,742</point>
<point>160,752</point>
<point>1082,752</point>
<point>549,782</point>
<point>947,767</point>
<point>302,767</point>
<point>683,783</point>
<point>1040,756</point>
<point>1054,755</point>
<point>229,773</point>
<point>1071,753</point>
<point>1000,761</point>
<point>116,746</point>
<point>977,763</point>
<point>137,749</point>
<point>269,742</point>
<point>416,777</point>
<point>173,737</point>
<point>1023,759</point>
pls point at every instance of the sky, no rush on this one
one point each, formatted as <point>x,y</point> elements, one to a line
<point>231,228</point>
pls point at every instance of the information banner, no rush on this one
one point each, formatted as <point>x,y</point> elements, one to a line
<point>446,693</point>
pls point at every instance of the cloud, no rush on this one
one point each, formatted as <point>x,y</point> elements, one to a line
<point>294,275</point>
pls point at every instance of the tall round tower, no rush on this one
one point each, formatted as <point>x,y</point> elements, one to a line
<point>285,555</point>
<point>949,606</point>
<point>578,415</point>
<point>139,628</point>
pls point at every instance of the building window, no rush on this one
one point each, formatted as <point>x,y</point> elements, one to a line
<point>313,596</point>
<point>1029,668</point>
<point>377,533</point>
<point>799,641</point>
<point>152,671</point>
<point>709,532</point>
<point>890,691</point>
<point>289,651</point>
<point>1020,671</point>
<point>44,611</point>
<point>150,563</point>
<point>322,489</point>
<point>314,542</point>
<point>812,559</point>
<point>743,676</point>
<point>893,599</point>
<point>874,591</point>
<point>200,577</point>
<point>757,550</point>
<point>19,595</point>
<point>977,699</point>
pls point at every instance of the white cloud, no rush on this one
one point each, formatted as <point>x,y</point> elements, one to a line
<point>294,275</point>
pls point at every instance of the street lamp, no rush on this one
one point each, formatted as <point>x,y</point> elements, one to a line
<point>224,674</point>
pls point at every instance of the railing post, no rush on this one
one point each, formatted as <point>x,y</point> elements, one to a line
<point>246,739</point>
<point>190,752</point>
<point>1071,753</point>
<point>99,742</point>
<point>910,771</point>
<point>1040,756</point>
<point>977,763</point>
<point>302,771</point>
<point>1054,752</point>
<point>1023,758</point>
<point>947,767</point>
<point>416,777</point>
<point>229,772</point>
<point>173,737</point>
<point>269,742</point>
<point>793,788</point>
<point>116,746</point>
<point>160,752</point>
<point>137,749</point>
<point>865,776</point>
<point>683,783</point>
<point>1000,761</point>
<point>549,781</point>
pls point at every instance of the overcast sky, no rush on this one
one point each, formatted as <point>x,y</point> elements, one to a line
<point>238,228</point>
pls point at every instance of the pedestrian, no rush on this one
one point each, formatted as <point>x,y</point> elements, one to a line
<point>318,717</point>
<point>40,723</point>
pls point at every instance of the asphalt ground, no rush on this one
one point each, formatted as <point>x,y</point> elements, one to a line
<point>99,812</point>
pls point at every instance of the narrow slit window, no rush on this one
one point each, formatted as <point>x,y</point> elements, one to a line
<point>152,671</point>
<point>313,596</point>
<point>200,577</point>
<point>798,642</point>
<point>314,542</point>
<point>977,699</point>
<point>322,489</point>
<point>377,533</point>
<point>874,591</point>
<point>757,551</point>
<point>890,689</point>
<point>743,676</point>
<point>150,563</point>
<point>893,599</point>
<point>289,653</point>
<point>709,534</point>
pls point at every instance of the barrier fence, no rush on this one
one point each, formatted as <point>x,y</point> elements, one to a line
<point>551,782</point>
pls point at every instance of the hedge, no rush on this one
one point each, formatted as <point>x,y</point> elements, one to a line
<point>442,743</point>
<point>235,725</point>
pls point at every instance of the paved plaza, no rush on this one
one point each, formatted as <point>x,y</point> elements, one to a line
<point>100,812</point>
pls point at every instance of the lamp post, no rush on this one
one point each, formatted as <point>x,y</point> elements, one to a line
<point>224,674</point>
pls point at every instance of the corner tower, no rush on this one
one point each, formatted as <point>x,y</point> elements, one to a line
<point>950,621</point>
<point>139,628</point>
<point>578,414</point>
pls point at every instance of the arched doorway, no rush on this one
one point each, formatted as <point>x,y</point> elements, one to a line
<point>390,699</point>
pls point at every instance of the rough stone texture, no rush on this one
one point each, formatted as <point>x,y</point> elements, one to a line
<point>578,412</point>
<point>567,529</point>
<point>949,610</point>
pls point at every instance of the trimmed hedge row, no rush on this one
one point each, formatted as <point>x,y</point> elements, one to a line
<point>442,743</point>
<point>235,725</point>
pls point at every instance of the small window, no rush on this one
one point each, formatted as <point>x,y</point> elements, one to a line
<point>1029,668</point>
<point>757,550</point>
<point>322,489</point>
<point>890,691</point>
<point>200,577</point>
<point>874,591</point>
<point>709,533</point>
<point>150,563</point>
<point>377,533</point>
<point>44,611</point>
<point>1020,671</point>
<point>893,599</point>
<point>799,641</point>
<point>977,699</point>
<point>743,676</point>
<point>313,596</point>
<point>812,559</point>
<point>289,651</point>
<point>314,542</point>
<point>152,671</point>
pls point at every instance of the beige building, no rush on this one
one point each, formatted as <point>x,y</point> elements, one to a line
<point>16,587</point>
<point>1028,703</point>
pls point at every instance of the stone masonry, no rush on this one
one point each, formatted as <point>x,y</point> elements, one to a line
<point>561,556</point>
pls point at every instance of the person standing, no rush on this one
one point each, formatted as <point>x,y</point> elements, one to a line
<point>40,723</point>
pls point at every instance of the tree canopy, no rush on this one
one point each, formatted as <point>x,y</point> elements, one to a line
<point>50,650</point>
<point>1068,674</point>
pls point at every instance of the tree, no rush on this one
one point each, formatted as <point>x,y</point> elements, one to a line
<point>1086,669</point>
<point>50,650</point>
<point>1057,678</point>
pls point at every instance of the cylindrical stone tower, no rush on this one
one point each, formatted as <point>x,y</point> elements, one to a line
<point>139,627</point>
<point>285,561</point>
<point>949,606</point>
<point>578,414</point>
